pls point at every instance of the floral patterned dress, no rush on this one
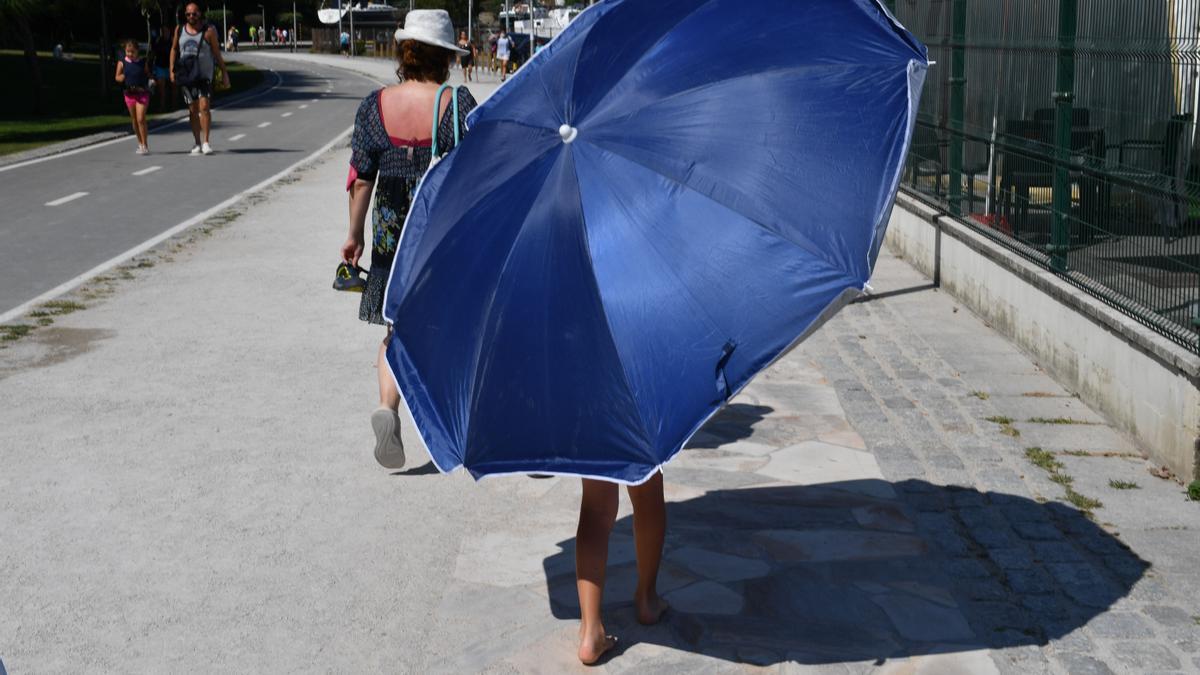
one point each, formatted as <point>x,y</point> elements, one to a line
<point>396,166</point>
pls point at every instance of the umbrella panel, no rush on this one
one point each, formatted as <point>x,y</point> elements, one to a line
<point>771,146</point>
<point>439,294</point>
<point>681,278</point>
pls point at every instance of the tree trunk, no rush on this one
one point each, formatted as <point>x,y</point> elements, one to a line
<point>106,73</point>
<point>31,60</point>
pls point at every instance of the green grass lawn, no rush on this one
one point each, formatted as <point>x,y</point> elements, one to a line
<point>73,103</point>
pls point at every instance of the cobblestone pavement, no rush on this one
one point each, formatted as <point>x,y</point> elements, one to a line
<point>919,379</point>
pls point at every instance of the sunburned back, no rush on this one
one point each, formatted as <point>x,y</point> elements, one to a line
<point>407,109</point>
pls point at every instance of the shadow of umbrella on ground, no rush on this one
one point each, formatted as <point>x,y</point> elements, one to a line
<point>845,572</point>
<point>734,422</point>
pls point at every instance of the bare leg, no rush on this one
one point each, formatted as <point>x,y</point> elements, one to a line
<point>194,119</point>
<point>137,130</point>
<point>389,396</point>
<point>597,513</point>
<point>649,531</point>
<point>143,129</point>
<point>205,117</point>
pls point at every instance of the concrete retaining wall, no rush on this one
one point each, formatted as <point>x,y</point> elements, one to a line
<point>1145,384</point>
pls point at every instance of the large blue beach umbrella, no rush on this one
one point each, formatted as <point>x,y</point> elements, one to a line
<point>660,204</point>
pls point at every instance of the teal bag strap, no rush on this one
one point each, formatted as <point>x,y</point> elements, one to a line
<point>437,108</point>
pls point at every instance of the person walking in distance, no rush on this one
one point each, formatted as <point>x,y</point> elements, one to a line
<point>194,54</point>
<point>160,58</point>
<point>503,47</point>
<point>467,60</point>
<point>134,72</point>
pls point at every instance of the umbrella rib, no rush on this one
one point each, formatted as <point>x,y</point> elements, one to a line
<point>512,120</point>
<point>483,332</point>
<point>612,339</point>
<point>549,99</point>
<point>809,248</point>
<point>492,301</point>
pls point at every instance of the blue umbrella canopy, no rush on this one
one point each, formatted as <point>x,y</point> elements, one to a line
<point>660,204</point>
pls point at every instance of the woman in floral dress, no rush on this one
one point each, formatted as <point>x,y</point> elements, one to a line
<point>390,152</point>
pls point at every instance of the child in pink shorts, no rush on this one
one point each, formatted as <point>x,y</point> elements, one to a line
<point>134,73</point>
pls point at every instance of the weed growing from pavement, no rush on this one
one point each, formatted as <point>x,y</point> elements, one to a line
<point>981,395</point>
<point>1101,453</point>
<point>15,331</point>
<point>1193,491</point>
<point>1123,484</point>
<point>1055,420</point>
<point>1085,504</point>
<point>58,308</point>
<point>1006,426</point>
<point>1047,461</point>
<point>1196,619</point>
<point>1040,394</point>
<point>1043,459</point>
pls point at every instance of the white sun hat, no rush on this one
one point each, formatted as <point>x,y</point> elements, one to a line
<point>431,26</point>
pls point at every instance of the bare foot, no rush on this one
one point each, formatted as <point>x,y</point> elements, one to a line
<point>592,647</point>
<point>649,611</point>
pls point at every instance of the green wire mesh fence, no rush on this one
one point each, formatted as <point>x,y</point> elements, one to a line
<point>1066,130</point>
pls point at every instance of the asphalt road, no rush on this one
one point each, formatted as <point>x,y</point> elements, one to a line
<point>63,216</point>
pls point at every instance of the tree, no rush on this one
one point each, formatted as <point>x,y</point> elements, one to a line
<point>285,19</point>
<point>15,16</point>
<point>217,16</point>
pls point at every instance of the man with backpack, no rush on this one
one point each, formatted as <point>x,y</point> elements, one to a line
<point>194,53</point>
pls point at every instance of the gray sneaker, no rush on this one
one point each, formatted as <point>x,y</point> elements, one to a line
<point>389,450</point>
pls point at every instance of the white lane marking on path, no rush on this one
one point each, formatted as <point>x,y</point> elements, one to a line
<point>76,151</point>
<point>286,114</point>
<point>237,138</point>
<point>303,106</point>
<point>264,124</point>
<point>103,267</point>
<point>315,100</point>
<point>149,169</point>
<point>68,198</point>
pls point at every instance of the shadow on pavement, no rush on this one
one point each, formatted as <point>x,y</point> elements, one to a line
<point>734,422</point>
<point>829,574</point>
<point>424,470</point>
<point>254,151</point>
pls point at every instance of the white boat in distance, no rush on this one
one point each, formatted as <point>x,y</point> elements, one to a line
<point>364,12</point>
<point>546,23</point>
